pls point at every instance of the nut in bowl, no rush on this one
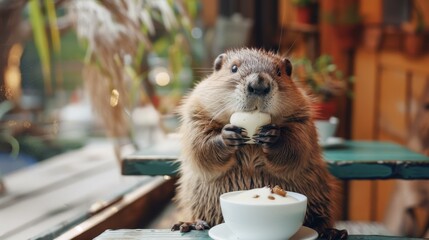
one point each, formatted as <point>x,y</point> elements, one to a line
<point>261,214</point>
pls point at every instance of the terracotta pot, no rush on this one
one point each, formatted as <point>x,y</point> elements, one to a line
<point>348,35</point>
<point>303,15</point>
<point>372,38</point>
<point>413,44</point>
<point>392,41</point>
<point>325,110</point>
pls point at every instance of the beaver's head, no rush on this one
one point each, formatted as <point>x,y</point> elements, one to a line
<point>249,80</point>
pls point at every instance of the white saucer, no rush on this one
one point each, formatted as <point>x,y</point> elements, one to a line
<point>222,232</point>
<point>332,142</point>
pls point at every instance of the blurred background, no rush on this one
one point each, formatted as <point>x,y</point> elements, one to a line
<point>81,75</point>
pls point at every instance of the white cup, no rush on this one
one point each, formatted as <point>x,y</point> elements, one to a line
<point>326,128</point>
<point>268,221</point>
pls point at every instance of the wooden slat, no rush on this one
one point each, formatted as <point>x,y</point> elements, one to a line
<point>393,102</point>
<point>364,105</point>
<point>418,85</point>
<point>134,209</point>
<point>394,120</point>
<point>60,190</point>
<point>54,171</point>
<point>364,100</point>
<point>383,197</point>
<point>360,200</point>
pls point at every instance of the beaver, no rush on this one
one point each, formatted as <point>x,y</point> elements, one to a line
<point>215,158</point>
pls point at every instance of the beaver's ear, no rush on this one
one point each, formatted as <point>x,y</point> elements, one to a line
<point>288,67</point>
<point>219,62</point>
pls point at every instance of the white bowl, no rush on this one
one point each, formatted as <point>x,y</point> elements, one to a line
<point>263,221</point>
<point>326,128</point>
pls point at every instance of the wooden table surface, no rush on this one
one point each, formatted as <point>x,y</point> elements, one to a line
<point>348,160</point>
<point>166,234</point>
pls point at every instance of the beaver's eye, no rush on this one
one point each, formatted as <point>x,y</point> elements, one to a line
<point>279,72</point>
<point>234,68</point>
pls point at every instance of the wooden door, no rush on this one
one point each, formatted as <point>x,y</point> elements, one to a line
<point>388,88</point>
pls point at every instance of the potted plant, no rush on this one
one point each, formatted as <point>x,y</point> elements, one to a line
<point>414,37</point>
<point>303,11</point>
<point>324,82</point>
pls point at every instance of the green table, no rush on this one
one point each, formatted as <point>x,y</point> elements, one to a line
<point>145,234</point>
<point>349,160</point>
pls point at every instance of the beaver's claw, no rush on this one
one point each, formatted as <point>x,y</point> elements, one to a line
<point>188,226</point>
<point>234,136</point>
<point>334,234</point>
<point>267,135</point>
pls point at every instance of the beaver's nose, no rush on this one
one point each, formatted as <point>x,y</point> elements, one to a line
<point>259,86</point>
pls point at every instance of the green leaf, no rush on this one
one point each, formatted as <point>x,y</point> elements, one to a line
<point>162,45</point>
<point>5,107</point>
<point>140,54</point>
<point>331,67</point>
<point>41,41</point>
<point>192,7</point>
<point>301,3</point>
<point>52,18</point>
<point>135,83</point>
<point>339,74</point>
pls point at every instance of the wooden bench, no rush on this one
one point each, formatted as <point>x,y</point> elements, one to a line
<point>58,194</point>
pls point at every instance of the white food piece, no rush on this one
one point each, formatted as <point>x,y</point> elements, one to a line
<point>250,121</point>
<point>249,196</point>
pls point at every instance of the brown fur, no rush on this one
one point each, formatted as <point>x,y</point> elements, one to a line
<point>209,167</point>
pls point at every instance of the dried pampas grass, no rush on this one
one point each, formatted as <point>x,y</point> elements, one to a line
<point>114,31</point>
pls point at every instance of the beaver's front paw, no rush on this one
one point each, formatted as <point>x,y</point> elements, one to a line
<point>267,136</point>
<point>188,226</point>
<point>234,136</point>
<point>334,234</point>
